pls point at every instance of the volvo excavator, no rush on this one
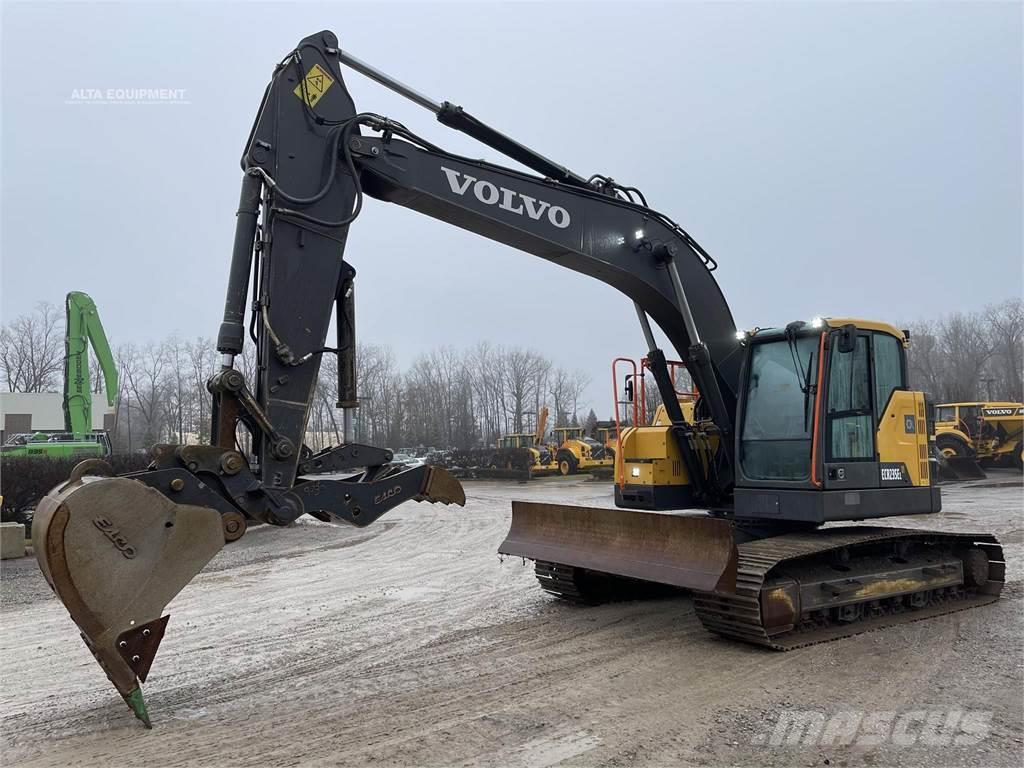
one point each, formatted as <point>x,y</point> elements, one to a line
<point>797,426</point>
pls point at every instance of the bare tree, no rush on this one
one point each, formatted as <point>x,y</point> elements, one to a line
<point>144,370</point>
<point>202,361</point>
<point>924,358</point>
<point>577,386</point>
<point>32,350</point>
<point>178,394</point>
<point>965,350</point>
<point>558,391</point>
<point>522,370</point>
<point>488,385</point>
<point>1005,323</point>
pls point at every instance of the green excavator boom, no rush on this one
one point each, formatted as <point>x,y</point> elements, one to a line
<point>84,329</point>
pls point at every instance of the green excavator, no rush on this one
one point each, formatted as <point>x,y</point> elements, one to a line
<point>78,437</point>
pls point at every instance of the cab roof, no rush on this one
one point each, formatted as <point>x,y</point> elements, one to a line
<point>839,322</point>
<point>982,404</point>
<point>867,325</point>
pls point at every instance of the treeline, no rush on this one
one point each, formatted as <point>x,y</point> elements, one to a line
<point>454,398</point>
<point>447,398</point>
<point>966,356</point>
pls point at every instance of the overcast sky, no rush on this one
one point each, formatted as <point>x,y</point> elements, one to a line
<point>845,159</point>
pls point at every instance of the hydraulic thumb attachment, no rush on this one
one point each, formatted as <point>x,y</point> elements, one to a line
<point>116,550</point>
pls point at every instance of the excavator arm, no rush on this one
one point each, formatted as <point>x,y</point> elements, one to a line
<point>308,165</point>
<point>117,550</point>
<point>82,329</point>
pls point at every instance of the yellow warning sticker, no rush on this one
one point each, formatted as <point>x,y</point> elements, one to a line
<point>315,84</point>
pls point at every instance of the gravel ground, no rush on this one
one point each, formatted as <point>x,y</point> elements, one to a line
<point>409,643</point>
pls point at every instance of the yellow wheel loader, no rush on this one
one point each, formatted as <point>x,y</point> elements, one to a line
<point>542,461</point>
<point>811,423</point>
<point>576,452</point>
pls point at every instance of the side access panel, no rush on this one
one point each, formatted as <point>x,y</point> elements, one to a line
<point>814,506</point>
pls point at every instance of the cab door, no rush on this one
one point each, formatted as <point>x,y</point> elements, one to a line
<point>969,420</point>
<point>860,386</point>
<point>851,458</point>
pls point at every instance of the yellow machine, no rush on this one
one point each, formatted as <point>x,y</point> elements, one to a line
<point>541,456</point>
<point>857,439</point>
<point>989,432</point>
<point>607,436</point>
<point>578,453</point>
<point>516,440</point>
<point>650,473</point>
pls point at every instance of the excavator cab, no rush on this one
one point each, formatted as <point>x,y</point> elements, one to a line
<point>827,429</point>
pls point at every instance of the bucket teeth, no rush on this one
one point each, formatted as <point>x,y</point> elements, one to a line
<point>441,486</point>
<point>138,706</point>
<point>116,552</point>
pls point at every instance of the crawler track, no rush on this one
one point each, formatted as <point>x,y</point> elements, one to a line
<point>741,616</point>
<point>578,585</point>
<point>813,557</point>
<point>561,580</point>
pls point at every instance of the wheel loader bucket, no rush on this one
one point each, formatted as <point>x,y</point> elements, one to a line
<point>694,552</point>
<point>116,552</point>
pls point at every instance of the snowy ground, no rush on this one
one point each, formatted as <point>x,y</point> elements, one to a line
<point>410,643</point>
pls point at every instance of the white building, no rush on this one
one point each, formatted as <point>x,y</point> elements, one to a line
<point>44,411</point>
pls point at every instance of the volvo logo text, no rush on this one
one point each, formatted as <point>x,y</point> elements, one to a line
<point>507,199</point>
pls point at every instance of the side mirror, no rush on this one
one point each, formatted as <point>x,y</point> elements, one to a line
<point>628,388</point>
<point>847,339</point>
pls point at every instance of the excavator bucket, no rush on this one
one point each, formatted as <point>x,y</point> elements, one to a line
<point>116,552</point>
<point>694,552</point>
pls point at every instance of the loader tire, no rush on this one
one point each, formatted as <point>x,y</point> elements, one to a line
<point>567,464</point>
<point>951,446</point>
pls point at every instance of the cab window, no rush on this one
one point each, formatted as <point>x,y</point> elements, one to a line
<point>888,369</point>
<point>778,413</point>
<point>851,423</point>
<point>946,413</point>
<point>970,419</point>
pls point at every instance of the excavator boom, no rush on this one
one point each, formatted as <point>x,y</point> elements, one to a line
<point>82,330</point>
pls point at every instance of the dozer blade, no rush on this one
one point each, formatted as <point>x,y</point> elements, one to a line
<point>684,551</point>
<point>116,552</point>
